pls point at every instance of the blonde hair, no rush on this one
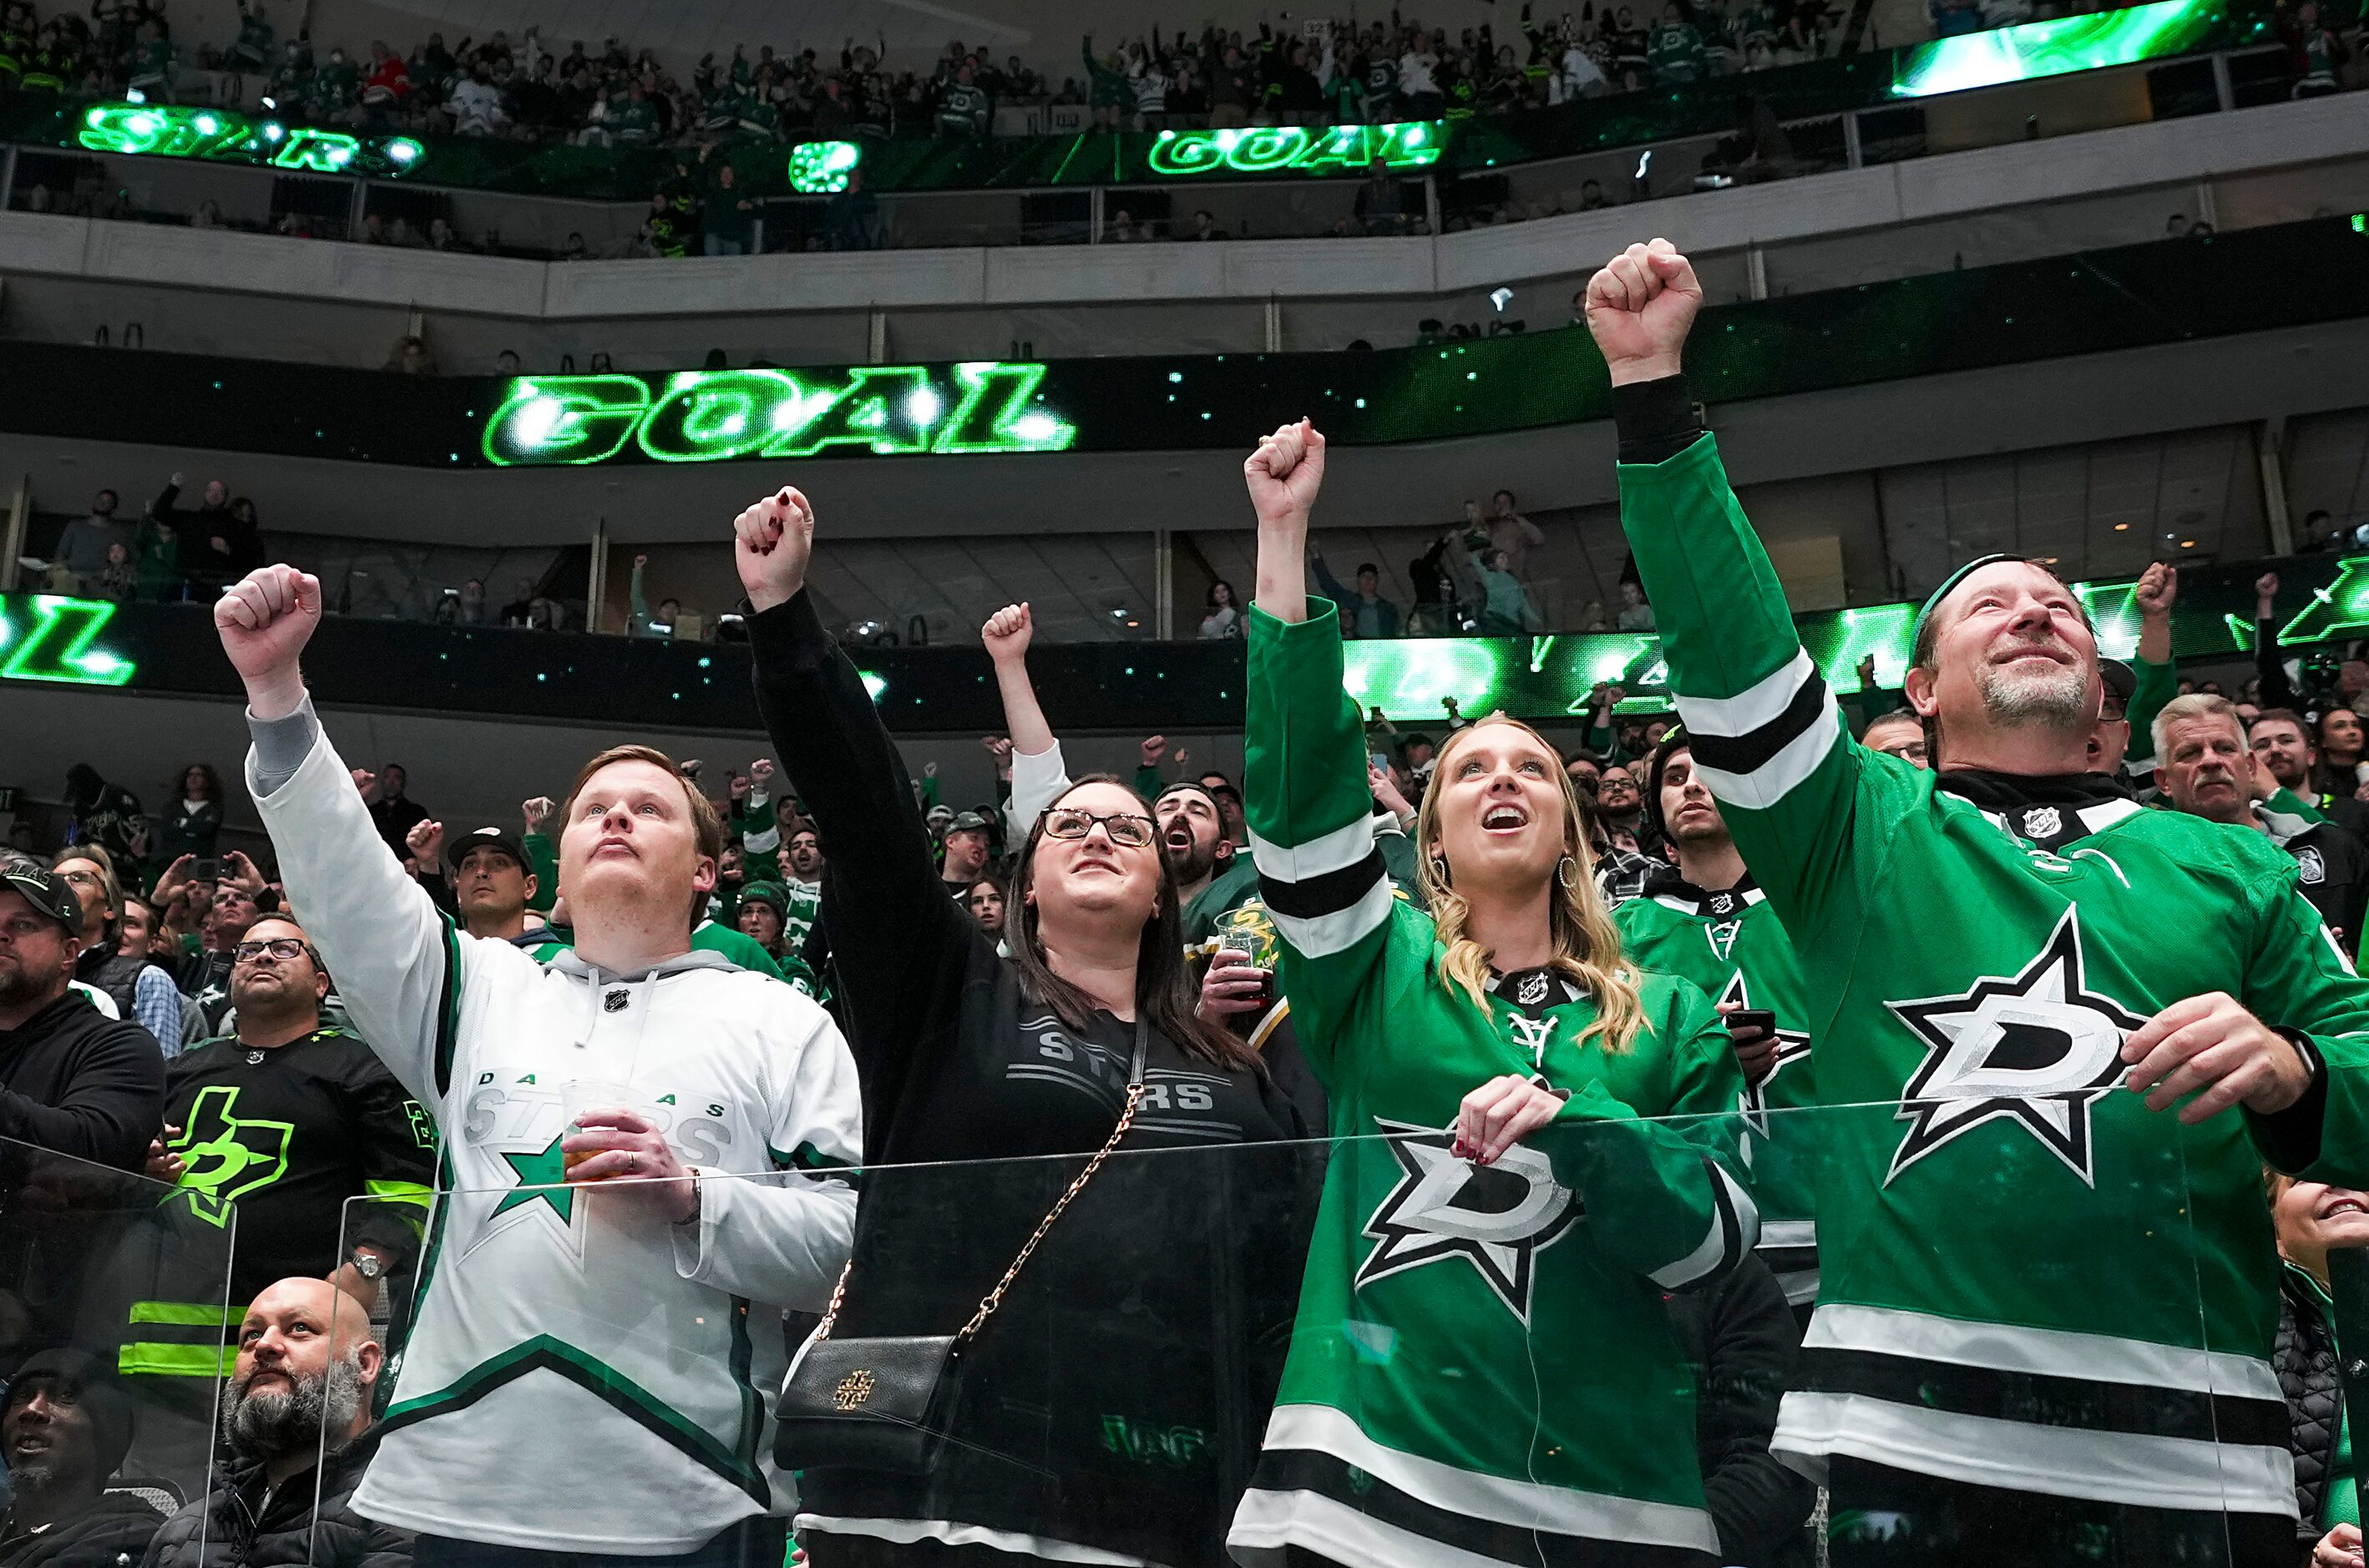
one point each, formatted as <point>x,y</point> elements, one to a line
<point>1586,942</point>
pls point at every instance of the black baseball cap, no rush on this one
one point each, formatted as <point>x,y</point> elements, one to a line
<point>499,838</point>
<point>2121,679</point>
<point>969,821</point>
<point>54,896</point>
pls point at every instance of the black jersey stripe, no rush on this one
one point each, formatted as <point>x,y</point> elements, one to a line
<point>2046,1399</point>
<point>1307,1470</point>
<point>1749,752</point>
<point>1327,893</point>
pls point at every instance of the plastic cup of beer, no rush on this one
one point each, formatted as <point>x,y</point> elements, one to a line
<point>585,1094</point>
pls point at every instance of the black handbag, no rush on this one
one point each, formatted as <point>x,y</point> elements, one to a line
<point>887,1402</point>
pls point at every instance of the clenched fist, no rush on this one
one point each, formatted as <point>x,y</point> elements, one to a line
<point>2158,589</point>
<point>1284,475</point>
<point>772,543</point>
<point>1008,633</point>
<point>264,619</point>
<point>1641,306</point>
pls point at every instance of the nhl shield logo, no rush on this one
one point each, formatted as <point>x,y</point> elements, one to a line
<point>1533,989</point>
<point>2310,867</point>
<point>1719,906</point>
<point>2042,822</point>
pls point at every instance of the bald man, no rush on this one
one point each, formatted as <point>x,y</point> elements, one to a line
<point>307,1366</point>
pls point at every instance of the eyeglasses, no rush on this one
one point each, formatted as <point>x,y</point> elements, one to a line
<point>1124,827</point>
<point>284,949</point>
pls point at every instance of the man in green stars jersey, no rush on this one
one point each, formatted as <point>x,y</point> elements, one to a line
<point>2058,1035</point>
<point>1707,919</point>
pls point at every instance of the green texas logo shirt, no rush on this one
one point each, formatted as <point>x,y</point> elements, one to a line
<point>227,1156</point>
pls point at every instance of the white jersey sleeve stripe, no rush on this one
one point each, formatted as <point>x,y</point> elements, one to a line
<point>1344,846</point>
<point>1783,773</point>
<point>1321,936</point>
<point>1763,703</point>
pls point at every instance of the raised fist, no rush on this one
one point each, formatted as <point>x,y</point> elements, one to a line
<point>1155,747</point>
<point>1640,307</point>
<point>425,842</point>
<point>537,811</point>
<point>1285,473</point>
<point>761,772</point>
<point>1008,633</point>
<point>772,543</point>
<point>2159,587</point>
<point>264,619</point>
<point>2266,593</point>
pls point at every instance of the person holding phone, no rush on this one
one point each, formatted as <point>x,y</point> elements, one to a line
<point>1706,919</point>
<point>1503,1210</point>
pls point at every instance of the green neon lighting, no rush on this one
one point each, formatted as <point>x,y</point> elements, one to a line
<point>1342,149</point>
<point>1411,679</point>
<point>819,169</point>
<point>2114,612</point>
<point>57,645</point>
<point>2342,609</point>
<point>717,415</point>
<point>222,135</point>
<point>2053,48</point>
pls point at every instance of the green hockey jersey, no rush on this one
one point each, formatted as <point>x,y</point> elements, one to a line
<point>1731,946</point>
<point>2029,1280</point>
<point>1436,1405</point>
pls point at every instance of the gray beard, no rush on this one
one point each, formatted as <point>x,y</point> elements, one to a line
<point>2059,699</point>
<point>274,1426</point>
<point>34,1478</point>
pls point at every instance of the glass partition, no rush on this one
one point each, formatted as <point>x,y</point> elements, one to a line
<point>2043,1331</point>
<point>116,1321</point>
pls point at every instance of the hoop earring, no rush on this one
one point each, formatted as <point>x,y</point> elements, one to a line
<point>1439,869</point>
<point>1567,872</point>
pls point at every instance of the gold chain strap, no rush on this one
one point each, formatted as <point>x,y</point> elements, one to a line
<point>994,1297</point>
<point>838,1294</point>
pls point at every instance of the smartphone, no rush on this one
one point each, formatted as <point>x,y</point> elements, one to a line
<point>1752,1018</point>
<point>207,868</point>
<point>1381,760</point>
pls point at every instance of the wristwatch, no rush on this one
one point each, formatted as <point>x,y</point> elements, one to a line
<point>368,1264</point>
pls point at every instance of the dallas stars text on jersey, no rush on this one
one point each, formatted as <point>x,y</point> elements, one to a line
<point>1482,1366</point>
<point>2030,1280</point>
<point>1730,944</point>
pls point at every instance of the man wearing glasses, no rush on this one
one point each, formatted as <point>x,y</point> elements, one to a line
<point>285,1119</point>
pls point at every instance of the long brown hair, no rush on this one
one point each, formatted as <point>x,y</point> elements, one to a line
<point>1163,985</point>
<point>1586,942</point>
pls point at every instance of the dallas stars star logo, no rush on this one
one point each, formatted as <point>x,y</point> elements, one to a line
<point>542,1177</point>
<point>2038,1050</point>
<point>1793,1045</point>
<point>1495,1217</point>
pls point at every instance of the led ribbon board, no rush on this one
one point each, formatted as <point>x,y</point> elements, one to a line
<point>1408,679</point>
<point>1343,149</point>
<point>222,135</point>
<point>2053,48</point>
<point>59,641</point>
<point>716,416</point>
<point>820,168</point>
